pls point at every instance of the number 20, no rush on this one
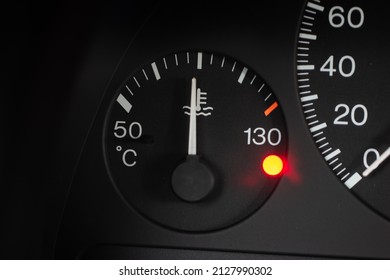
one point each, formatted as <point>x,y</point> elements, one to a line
<point>340,120</point>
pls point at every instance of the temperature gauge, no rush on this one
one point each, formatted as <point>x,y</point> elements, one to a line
<point>186,138</point>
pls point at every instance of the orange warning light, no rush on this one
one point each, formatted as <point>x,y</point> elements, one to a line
<point>272,165</point>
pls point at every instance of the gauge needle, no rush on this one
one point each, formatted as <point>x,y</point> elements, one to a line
<point>192,130</point>
<point>192,180</point>
<point>376,163</point>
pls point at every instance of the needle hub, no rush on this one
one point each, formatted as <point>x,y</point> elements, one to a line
<point>192,180</point>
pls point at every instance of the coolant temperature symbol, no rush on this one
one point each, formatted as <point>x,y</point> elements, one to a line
<point>201,100</point>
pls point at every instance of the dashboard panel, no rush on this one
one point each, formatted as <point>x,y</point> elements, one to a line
<point>97,124</point>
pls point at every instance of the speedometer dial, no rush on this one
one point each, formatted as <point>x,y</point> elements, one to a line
<point>343,84</point>
<point>195,141</point>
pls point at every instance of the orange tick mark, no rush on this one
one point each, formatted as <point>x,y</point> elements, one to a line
<point>271,108</point>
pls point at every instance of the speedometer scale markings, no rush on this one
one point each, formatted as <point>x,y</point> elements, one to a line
<point>343,87</point>
<point>186,137</point>
<point>303,42</point>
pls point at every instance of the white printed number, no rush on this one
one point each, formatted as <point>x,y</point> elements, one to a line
<point>134,130</point>
<point>346,66</point>
<point>374,156</point>
<point>355,17</point>
<point>259,136</point>
<point>358,115</point>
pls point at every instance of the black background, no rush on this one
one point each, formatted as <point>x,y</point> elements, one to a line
<point>52,51</point>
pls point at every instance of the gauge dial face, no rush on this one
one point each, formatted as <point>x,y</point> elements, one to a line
<point>187,136</point>
<point>342,72</point>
